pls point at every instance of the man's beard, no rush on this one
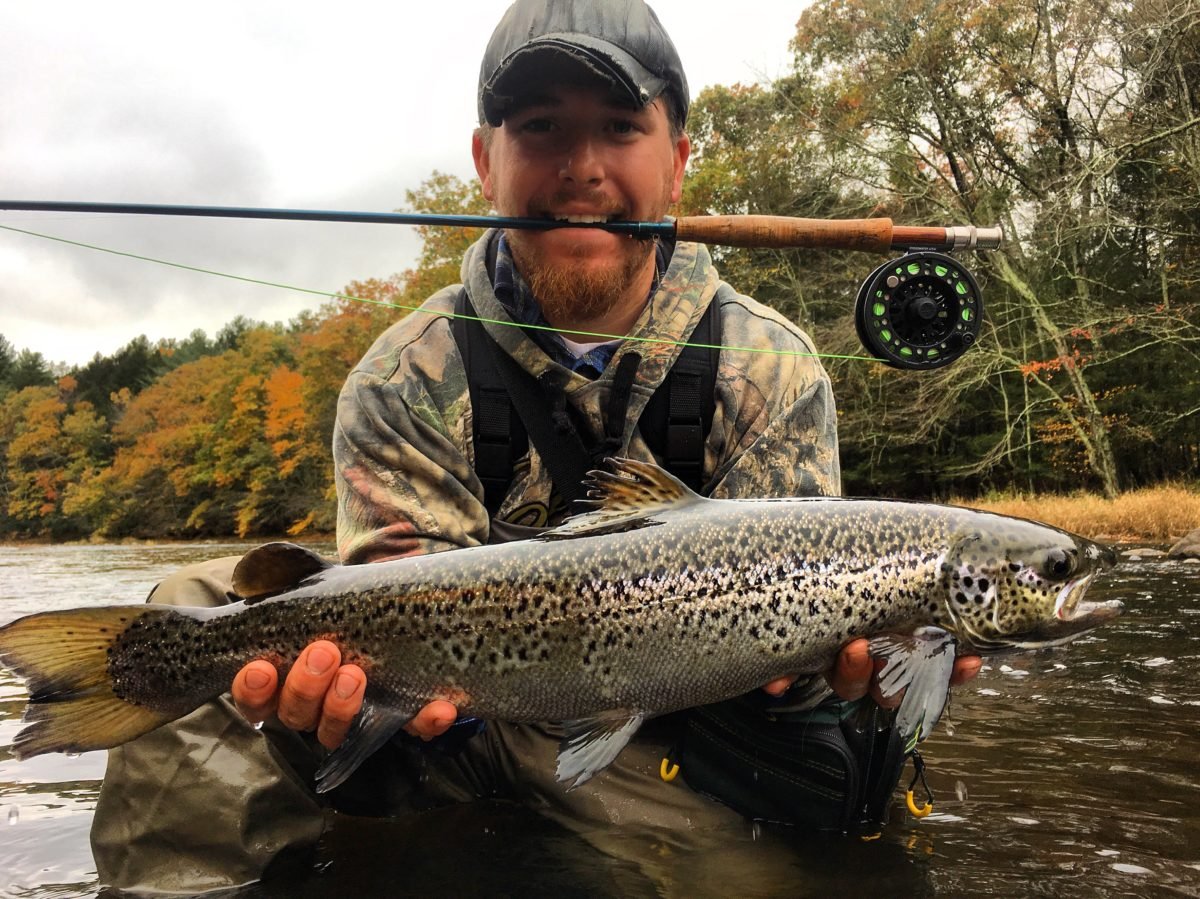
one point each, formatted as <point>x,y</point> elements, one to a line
<point>568,293</point>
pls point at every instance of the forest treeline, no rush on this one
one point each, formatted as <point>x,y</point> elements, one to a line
<point>1075,125</point>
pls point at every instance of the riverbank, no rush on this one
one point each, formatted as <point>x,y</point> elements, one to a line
<point>1160,514</point>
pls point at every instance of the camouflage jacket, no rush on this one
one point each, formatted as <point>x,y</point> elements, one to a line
<point>402,443</point>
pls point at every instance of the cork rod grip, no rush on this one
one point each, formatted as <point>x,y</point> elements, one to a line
<point>777,231</point>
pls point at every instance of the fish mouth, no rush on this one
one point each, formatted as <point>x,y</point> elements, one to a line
<point>1073,617</point>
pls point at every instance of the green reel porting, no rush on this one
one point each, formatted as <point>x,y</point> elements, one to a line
<point>920,311</point>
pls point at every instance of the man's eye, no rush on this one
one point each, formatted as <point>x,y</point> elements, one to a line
<point>623,126</point>
<point>537,126</point>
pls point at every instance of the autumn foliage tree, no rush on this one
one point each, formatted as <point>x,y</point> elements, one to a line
<point>1075,125</point>
<point>204,437</point>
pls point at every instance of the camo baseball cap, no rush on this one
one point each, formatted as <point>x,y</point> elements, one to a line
<point>620,41</point>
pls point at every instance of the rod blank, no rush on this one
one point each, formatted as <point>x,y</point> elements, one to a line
<point>757,231</point>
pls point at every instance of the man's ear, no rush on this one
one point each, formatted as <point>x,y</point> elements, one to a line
<point>681,152</point>
<point>483,163</point>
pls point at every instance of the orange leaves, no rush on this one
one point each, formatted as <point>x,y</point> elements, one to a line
<point>285,419</point>
<point>230,443</point>
<point>1046,369</point>
<point>47,447</point>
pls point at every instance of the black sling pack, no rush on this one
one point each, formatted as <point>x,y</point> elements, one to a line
<point>507,405</point>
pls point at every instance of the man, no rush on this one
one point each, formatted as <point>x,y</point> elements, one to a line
<point>582,111</point>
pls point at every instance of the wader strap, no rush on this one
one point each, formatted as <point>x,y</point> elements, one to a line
<point>676,421</point>
<point>556,441</point>
<point>499,435</point>
<point>674,424</point>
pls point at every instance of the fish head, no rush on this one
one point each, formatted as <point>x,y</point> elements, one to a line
<point>1018,584</point>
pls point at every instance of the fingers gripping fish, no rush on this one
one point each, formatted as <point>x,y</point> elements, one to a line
<point>656,600</point>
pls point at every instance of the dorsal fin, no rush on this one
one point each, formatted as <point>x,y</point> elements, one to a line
<point>625,498</point>
<point>274,568</point>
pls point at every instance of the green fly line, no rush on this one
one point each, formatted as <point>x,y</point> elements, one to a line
<point>406,308</point>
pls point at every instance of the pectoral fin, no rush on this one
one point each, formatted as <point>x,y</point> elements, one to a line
<point>920,664</point>
<point>590,744</point>
<point>373,727</point>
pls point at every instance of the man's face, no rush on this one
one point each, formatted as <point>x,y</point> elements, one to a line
<point>574,154</point>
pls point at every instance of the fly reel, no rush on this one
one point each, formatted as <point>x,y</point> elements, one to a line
<point>920,311</point>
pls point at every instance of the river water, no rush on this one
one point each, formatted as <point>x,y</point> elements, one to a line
<point>1068,773</point>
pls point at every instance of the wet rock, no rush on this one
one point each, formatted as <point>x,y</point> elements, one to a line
<point>1188,547</point>
<point>1142,552</point>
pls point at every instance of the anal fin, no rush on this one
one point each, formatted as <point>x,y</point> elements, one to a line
<point>373,727</point>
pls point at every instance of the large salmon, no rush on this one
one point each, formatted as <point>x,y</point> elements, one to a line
<point>656,600</point>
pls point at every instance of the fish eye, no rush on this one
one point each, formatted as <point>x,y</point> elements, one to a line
<point>1059,563</point>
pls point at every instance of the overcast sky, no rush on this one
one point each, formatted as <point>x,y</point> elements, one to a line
<point>316,105</point>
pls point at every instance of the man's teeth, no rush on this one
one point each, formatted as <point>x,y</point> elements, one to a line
<point>582,219</point>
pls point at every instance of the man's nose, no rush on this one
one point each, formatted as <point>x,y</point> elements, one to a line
<point>582,162</point>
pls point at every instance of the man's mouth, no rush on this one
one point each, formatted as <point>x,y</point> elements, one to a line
<point>583,218</point>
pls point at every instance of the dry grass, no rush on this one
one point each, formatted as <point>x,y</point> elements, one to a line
<point>1156,514</point>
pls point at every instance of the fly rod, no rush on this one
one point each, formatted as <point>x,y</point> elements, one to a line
<point>920,311</point>
<point>875,235</point>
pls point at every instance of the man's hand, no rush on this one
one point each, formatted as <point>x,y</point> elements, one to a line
<point>854,674</point>
<point>321,694</point>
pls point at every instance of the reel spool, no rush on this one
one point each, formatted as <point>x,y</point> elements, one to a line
<point>921,311</point>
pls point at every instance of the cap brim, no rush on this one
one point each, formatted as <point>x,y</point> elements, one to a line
<point>553,59</point>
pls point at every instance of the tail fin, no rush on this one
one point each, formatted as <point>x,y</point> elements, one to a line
<point>63,657</point>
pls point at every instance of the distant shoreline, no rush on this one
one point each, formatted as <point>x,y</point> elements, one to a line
<point>1152,515</point>
<point>231,539</point>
